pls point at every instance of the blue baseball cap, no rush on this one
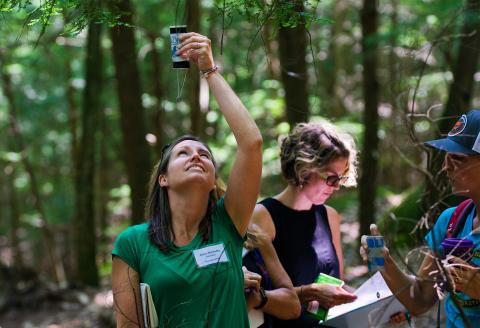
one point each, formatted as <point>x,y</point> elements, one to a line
<point>464,137</point>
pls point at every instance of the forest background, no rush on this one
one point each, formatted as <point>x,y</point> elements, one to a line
<point>88,98</point>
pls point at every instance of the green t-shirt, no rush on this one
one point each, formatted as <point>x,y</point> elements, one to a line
<point>186,289</point>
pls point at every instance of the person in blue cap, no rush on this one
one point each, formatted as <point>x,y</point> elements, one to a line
<point>452,274</point>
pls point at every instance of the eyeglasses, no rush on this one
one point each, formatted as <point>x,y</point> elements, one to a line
<point>333,180</point>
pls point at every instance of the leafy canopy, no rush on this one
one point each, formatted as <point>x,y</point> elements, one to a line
<point>79,13</point>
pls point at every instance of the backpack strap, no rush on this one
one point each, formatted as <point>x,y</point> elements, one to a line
<point>457,220</point>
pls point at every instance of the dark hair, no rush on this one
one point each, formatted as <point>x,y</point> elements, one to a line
<point>157,208</point>
<point>312,147</point>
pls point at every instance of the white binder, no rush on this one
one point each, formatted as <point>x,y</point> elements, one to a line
<point>150,317</point>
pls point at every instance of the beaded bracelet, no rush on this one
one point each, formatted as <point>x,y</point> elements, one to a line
<point>206,73</point>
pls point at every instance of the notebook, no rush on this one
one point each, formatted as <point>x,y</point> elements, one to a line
<point>150,317</point>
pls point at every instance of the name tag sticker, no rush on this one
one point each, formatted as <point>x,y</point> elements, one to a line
<point>210,254</point>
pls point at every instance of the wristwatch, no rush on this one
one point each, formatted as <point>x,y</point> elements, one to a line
<point>264,300</point>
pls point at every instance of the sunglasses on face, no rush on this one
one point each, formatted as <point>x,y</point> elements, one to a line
<point>333,180</point>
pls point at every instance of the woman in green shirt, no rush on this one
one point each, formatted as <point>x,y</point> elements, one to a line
<point>190,250</point>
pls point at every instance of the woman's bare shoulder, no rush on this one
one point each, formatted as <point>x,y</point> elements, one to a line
<point>261,217</point>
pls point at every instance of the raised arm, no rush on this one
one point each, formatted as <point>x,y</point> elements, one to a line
<point>244,181</point>
<point>126,295</point>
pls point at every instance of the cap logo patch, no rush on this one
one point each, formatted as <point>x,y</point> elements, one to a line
<point>459,126</point>
<point>476,145</point>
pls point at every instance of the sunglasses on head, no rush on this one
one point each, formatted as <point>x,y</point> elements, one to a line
<point>333,180</point>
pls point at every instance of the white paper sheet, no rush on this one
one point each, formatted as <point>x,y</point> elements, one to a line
<point>374,306</point>
<point>255,318</point>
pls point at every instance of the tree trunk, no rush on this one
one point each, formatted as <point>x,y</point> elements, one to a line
<point>369,157</point>
<point>395,175</point>
<point>158,92</point>
<point>271,52</point>
<point>132,114</point>
<point>14,217</point>
<point>197,117</point>
<point>68,252</point>
<point>459,99</point>
<point>85,241</point>
<point>56,265</point>
<point>461,89</point>
<point>292,51</point>
<point>335,61</point>
<point>102,187</point>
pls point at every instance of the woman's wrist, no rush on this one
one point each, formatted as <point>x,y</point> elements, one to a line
<point>389,266</point>
<point>263,299</point>
<point>301,293</point>
<point>205,73</point>
<point>207,68</point>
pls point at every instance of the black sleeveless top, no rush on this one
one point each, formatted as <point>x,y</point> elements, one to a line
<point>303,242</point>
